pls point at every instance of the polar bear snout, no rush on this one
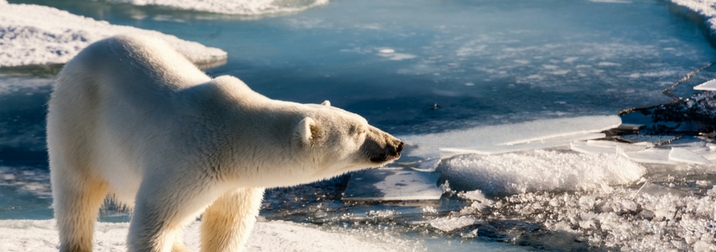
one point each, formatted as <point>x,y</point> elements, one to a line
<point>389,153</point>
<point>383,149</point>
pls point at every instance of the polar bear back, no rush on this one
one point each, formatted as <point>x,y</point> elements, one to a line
<point>101,96</point>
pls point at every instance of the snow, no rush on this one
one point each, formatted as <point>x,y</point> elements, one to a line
<point>705,8</point>
<point>539,170</point>
<point>40,35</point>
<point>41,235</point>
<point>239,7</point>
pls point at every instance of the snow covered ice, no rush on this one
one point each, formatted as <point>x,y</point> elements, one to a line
<point>240,7</point>
<point>41,35</point>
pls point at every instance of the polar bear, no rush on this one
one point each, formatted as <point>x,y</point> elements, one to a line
<point>132,118</point>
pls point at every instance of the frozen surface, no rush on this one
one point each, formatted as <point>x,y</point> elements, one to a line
<point>41,235</point>
<point>240,7</point>
<point>651,156</point>
<point>709,85</point>
<point>392,184</point>
<point>706,8</point>
<point>651,218</point>
<point>40,35</point>
<point>503,148</point>
<point>509,137</point>
<point>685,156</point>
<point>448,224</point>
<point>539,170</point>
<point>583,147</point>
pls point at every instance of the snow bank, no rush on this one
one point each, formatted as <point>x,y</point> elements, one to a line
<point>706,8</point>
<point>539,170</point>
<point>41,235</point>
<point>240,7</point>
<point>40,35</point>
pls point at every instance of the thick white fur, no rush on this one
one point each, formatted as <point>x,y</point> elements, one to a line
<point>131,117</point>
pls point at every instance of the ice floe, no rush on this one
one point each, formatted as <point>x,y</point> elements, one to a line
<point>530,156</point>
<point>509,137</point>
<point>239,7</point>
<point>709,85</point>
<point>40,35</point>
<point>705,8</point>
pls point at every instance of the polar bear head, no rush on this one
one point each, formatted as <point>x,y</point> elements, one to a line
<point>340,141</point>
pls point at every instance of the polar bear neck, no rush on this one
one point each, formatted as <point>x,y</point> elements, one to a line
<point>252,134</point>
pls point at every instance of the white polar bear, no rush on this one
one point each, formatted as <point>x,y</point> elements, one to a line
<point>132,118</point>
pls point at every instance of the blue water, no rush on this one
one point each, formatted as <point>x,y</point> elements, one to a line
<point>455,64</point>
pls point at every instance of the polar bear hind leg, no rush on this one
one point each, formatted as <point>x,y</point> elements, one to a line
<point>77,202</point>
<point>228,222</point>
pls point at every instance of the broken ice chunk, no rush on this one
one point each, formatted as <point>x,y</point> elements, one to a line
<point>427,145</point>
<point>651,156</point>
<point>473,195</point>
<point>611,147</point>
<point>448,224</point>
<point>709,85</point>
<point>685,156</point>
<point>583,147</point>
<point>505,148</point>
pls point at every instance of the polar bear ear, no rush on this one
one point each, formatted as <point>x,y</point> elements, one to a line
<point>306,131</point>
<point>326,103</point>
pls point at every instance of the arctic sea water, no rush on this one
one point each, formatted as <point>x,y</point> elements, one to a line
<point>411,68</point>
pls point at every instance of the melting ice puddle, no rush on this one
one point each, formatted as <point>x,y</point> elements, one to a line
<point>392,184</point>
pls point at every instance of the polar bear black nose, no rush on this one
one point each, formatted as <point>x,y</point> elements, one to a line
<point>400,147</point>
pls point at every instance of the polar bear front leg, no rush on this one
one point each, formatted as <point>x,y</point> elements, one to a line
<point>228,222</point>
<point>164,205</point>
